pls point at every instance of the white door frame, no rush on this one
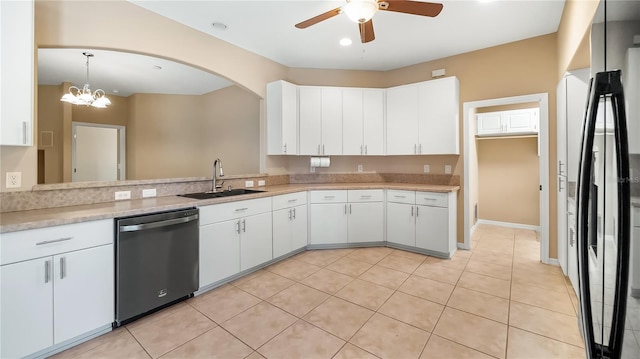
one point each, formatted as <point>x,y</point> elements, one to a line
<point>543,147</point>
<point>122,164</point>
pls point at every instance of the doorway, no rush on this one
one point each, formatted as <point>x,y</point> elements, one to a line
<point>98,152</point>
<point>471,163</point>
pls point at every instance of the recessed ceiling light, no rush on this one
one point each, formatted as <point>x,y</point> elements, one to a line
<point>345,41</point>
<point>115,91</point>
<point>220,26</point>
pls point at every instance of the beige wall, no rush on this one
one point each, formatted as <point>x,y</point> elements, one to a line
<point>573,35</point>
<point>50,119</point>
<point>231,130</point>
<point>508,180</point>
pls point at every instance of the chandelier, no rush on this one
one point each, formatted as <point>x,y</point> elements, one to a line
<point>84,96</point>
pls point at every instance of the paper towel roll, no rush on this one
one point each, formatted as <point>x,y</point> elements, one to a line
<point>315,161</point>
<point>325,161</point>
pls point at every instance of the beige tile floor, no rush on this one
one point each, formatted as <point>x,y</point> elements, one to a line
<point>496,300</point>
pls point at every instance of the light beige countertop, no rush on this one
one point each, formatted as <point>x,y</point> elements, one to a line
<point>38,218</point>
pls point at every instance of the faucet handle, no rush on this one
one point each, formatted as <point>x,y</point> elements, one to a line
<point>220,185</point>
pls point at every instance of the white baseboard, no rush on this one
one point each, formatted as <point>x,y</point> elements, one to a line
<point>553,262</point>
<point>506,224</point>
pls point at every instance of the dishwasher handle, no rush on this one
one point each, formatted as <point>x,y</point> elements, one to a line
<point>168,222</point>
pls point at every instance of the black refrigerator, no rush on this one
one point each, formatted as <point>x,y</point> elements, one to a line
<point>604,221</point>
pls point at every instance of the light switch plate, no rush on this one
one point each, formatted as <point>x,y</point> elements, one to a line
<point>150,192</point>
<point>447,169</point>
<point>426,169</point>
<point>261,183</point>
<point>120,195</point>
<point>14,180</point>
<point>248,184</point>
<point>359,168</point>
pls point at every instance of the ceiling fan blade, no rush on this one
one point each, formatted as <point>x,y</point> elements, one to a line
<point>412,7</point>
<point>316,19</point>
<point>366,31</point>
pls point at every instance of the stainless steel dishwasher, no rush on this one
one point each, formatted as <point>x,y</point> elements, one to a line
<point>156,262</point>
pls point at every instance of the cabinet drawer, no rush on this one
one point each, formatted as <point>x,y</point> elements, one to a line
<point>365,195</point>
<point>227,211</point>
<point>433,199</point>
<point>42,242</point>
<point>328,196</point>
<point>396,196</point>
<point>289,200</point>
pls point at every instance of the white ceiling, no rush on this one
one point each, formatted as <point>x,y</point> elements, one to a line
<point>267,28</point>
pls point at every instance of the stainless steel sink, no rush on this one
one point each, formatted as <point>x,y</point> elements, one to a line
<point>218,194</point>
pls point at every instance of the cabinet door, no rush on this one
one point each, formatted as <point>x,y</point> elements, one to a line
<point>299,228</point>
<point>365,222</point>
<point>16,73</point>
<point>282,224</point>
<point>373,122</point>
<point>256,242</point>
<point>562,224</point>
<point>219,251</point>
<point>489,123</point>
<point>572,253</point>
<point>83,291</point>
<point>577,93</point>
<point>432,228</point>
<point>561,127</point>
<point>632,93</point>
<point>402,120</point>
<point>328,223</point>
<point>331,121</point>
<point>310,107</point>
<point>401,224</point>
<point>352,121</point>
<point>26,300</point>
<point>282,118</point>
<point>438,117</point>
<point>523,121</point>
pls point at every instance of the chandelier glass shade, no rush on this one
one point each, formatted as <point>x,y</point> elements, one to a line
<point>84,96</point>
<point>361,11</point>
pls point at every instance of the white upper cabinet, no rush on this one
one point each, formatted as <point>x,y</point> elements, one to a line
<point>423,118</point>
<point>16,73</point>
<point>508,123</point>
<point>402,120</point>
<point>438,119</point>
<point>363,121</point>
<point>282,118</point>
<point>320,120</point>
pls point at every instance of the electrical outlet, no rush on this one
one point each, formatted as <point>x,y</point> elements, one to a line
<point>248,184</point>
<point>119,195</point>
<point>359,168</point>
<point>14,180</point>
<point>426,169</point>
<point>261,183</point>
<point>447,169</point>
<point>151,192</point>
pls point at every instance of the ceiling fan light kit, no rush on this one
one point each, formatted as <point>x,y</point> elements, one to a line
<point>84,96</point>
<point>362,12</point>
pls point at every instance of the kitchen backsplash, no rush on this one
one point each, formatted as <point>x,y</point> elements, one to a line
<point>72,194</point>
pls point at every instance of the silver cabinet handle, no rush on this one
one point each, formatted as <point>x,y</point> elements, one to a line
<point>398,196</point>
<point>361,152</point>
<point>323,149</point>
<point>430,199</point>
<point>285,148</point>
<point>63,267</point>
<point>349,209</point>
<point>47,271</point>
<point>319,149</point>
<point>365,150</point>
<point>345,209</point>
<point>244,225</point>
<point>24,132</point>
<point>290,214</point>
<point>417,211</point>
<point>560,164</point>
<point>238,227</point>
<point>365,196</point>
<point>415,149</point>
<point>411,211</point>
<point>560,189</point>
<point>294,213</point>
<point>329,197</point>
<point>293,200</point>
<point>241,209</point>
<point>420,149</point>
<point>54,241</point>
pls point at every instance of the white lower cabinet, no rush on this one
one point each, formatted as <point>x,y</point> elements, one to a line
<point>353,216</point>
<point>234,237</point>
<point>423,220</point>
<point>289,223</point>
<point>60,295</point>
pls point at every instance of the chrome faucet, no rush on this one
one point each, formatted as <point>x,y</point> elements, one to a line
<point>214,186</point>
